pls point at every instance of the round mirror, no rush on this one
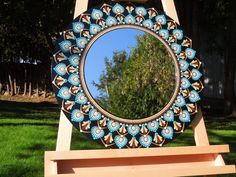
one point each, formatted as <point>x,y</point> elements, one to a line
<point>132,76</point>
<point>126,76</point>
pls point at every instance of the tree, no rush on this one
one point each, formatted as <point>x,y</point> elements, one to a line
<point>27,30</point>
<point>211,25</point>
<point>140,85</point>
<point>220,25</point>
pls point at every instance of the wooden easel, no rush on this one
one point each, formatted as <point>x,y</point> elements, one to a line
<point>202,159</point>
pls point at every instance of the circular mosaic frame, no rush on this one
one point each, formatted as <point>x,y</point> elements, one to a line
<point>77,104</point>
<point>110,115</point>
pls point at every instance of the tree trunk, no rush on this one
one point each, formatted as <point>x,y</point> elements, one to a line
<point>11,85</point>
<point>37,89</point>
<point>30,80</point>
<point>8,90</point>
<point>25,88</point>
<point>14,84</point>
<point>45,86</point>
<point>195,25</point>
<point>0,88</point>
<point>30,89</point>
<point>25,82</point>
<point>230,65</point>
<point>18,90</point>
<point>45,91</point>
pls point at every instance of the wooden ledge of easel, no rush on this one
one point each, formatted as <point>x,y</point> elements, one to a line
<point>202,159</point>
<point>180,161</point>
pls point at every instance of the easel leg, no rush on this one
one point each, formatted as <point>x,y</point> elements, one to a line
<point>170,9</point>
<point>64,133</point>
<point>199,130</point>
<point>65,126</point>
<point>80,7</point>
<point>201,138</point>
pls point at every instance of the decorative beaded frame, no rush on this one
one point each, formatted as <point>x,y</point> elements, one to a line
<point>82,110</point>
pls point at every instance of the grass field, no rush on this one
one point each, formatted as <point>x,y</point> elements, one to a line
<point>29,129</point>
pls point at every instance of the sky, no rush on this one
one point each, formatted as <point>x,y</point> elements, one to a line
<point>116,40</point>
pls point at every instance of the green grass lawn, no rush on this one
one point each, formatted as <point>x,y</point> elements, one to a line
<point>29,129</point>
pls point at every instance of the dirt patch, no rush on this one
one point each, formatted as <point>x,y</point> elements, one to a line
<point>19,98</point>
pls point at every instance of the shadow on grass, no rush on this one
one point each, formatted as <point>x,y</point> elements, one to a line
<point>42,110</point>
<point>225,139</point>
<point>221,123</point>
<point>81,142</point>
<point>32,123</point>
<point>23,156</point>
<point>18,170</point>
<point>37,146</point>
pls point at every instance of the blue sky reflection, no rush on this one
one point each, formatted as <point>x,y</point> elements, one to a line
<point>113,41</point>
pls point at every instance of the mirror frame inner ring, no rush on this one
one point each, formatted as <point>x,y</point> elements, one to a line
<point>106,113</point>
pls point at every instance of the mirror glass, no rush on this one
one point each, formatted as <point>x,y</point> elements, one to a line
<point>130,73</point>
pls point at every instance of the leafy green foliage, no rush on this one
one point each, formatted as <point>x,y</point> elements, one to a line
<point>218,18</point>
<point>27,28</point>
<point>139,85</point>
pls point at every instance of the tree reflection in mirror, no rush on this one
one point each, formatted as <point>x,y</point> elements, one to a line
<point>130,73</point>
